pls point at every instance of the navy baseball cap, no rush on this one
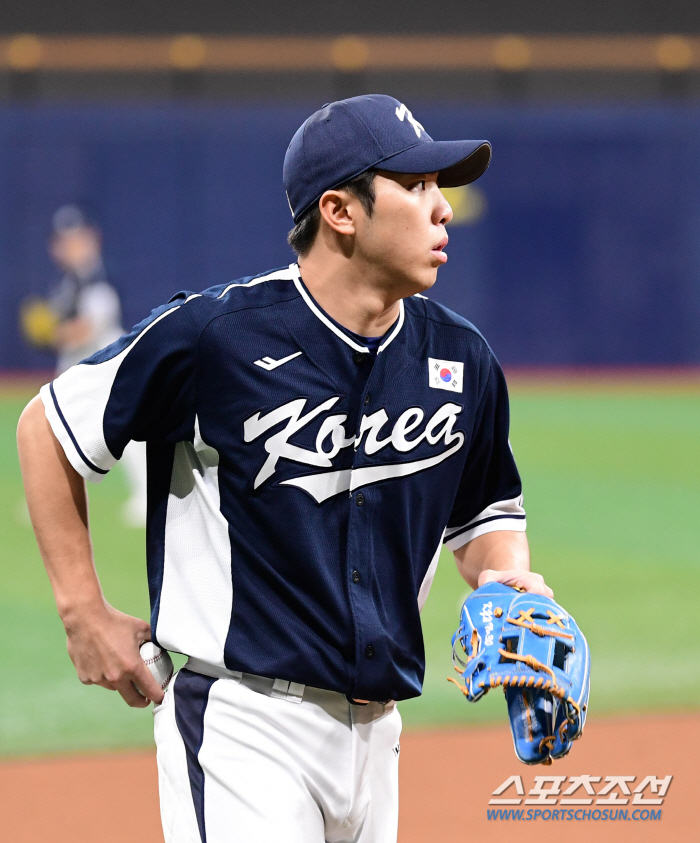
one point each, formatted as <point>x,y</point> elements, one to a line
<point>346,138</point>
<point>68,218</point>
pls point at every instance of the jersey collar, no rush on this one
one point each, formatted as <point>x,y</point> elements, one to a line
<point>337,330</point>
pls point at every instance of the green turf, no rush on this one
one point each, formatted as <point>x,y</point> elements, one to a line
<point>612,488</point>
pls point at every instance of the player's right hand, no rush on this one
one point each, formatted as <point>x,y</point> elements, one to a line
<point>103,644</point>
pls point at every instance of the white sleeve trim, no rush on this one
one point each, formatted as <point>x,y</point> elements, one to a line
<point>501,515</point>
<point>61,433</point>
<point>75,404</point>
<point>490,527</point>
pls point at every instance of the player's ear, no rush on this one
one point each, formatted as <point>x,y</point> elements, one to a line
<point>336,211</point>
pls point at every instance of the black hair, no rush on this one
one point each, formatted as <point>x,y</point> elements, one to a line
<point>301,238</point>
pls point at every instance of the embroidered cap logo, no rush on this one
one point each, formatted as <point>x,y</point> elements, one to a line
<point>402,112</point>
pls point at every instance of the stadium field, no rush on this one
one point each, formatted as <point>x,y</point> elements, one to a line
<point>611,471</point>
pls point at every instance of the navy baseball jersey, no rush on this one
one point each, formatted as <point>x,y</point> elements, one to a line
<point>300,483</point>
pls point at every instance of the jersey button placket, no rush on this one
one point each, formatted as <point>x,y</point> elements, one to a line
<point>368,659</point>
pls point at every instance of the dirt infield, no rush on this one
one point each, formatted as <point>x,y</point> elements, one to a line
<point>447,780</point>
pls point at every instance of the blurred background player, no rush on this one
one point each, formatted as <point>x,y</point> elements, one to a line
<point>81,315</point>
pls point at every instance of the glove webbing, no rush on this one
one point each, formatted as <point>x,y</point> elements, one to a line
<point>526,621</point>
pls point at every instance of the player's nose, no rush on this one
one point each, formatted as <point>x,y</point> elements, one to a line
<point>443,210</point>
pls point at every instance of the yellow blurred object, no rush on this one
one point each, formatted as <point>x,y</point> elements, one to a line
<point>38,322</point>
<point>187,52</point>
<point>468,204</point>
<point>350,53</point>
<point>674,53</point>
<point>512,53</point>
<point>24,53</point>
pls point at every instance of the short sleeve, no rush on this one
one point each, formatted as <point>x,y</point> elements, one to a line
<point>489,496</point>
<point>140,387</point>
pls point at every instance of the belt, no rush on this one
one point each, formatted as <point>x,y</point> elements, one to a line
<point>280,689</point>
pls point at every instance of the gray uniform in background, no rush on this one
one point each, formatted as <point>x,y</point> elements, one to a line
<point>93,298</point>
<point>85,298</point>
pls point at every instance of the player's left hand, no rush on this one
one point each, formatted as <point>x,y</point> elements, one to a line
<point>526,580</point>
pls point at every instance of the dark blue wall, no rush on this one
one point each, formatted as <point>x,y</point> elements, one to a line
<point>589,252</point>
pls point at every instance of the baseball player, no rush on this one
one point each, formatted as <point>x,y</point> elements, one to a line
<point>81,316</point>
<point>315,434</point>
<point>86,304</point>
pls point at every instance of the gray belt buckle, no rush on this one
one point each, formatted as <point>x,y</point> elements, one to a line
<point>290,691</point>
<point>279,689</point>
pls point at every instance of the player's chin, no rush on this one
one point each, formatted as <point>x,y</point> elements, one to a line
<point>416,278</point>
<point>427,278</point>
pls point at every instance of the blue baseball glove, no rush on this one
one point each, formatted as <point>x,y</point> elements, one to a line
<point>533,649</point>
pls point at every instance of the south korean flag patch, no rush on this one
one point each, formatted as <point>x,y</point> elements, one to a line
<point>445,374</point>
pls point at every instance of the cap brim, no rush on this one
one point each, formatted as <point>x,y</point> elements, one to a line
<point>457,162</point>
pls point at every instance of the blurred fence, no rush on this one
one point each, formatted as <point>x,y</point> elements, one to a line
<point>580,246</point>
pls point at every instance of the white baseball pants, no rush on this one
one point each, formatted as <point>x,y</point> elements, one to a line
<point>239,766</point>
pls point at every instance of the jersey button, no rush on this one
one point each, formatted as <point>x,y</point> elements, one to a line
<point>369,651</point>
<point>367,399</point>
<point>359,357</point>
<point>355,576</point>
<point>360,499</point>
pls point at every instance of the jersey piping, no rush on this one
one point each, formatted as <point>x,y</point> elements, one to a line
<point>313,307</point>
<point>484,522</point>
<point>70,433</point>
<point>277,274</point>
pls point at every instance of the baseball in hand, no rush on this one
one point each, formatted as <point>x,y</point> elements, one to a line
<point>158,662</point>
